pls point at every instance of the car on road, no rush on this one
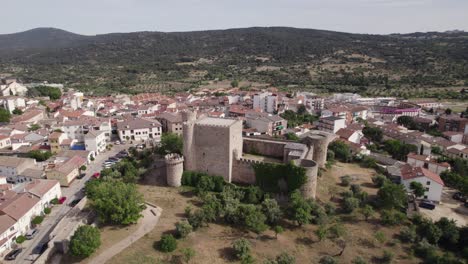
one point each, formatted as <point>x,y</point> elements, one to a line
<point>31,233</point>
<point>41,248</point>
<point>114,159</point>
<point>117,142</point>
<point>13,254</point>
<point>96,175</point>
<point>74,202</point>
<point>62,199</point>
<point>427,204</point>
<point>459,197</point>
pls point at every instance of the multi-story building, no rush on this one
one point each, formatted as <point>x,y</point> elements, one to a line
<point>331,124</point>
<point>95,141</point>
<point>264,123</point>
<point>428,163</point>
<point>266,102</point>
<point>10,103</point>
<point>56,139</point>
<point>77,129</point>
<point>65,172</point>
<point>139,129</point>
<point>170,122</point>
<point>11,167</point>
<point>432,183</point>
<point>453,123</point>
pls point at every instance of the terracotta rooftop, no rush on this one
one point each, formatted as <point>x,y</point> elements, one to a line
<point>409,172</point>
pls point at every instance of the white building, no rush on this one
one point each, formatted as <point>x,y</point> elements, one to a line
<point>266,102</point>
<point>13,88</point>
<point>76,100</point>
<point>95,141</point>
<point>432,183</point>
<point>331,124</point>
<point>428,163</point>
<point>77,129</point>
<point>350,135</point>
<point>10,103</point>
<point>11,167</point>
<point>139,129</point>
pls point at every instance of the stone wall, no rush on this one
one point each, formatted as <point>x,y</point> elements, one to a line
<point>243,171</point>
<point>264,147</point>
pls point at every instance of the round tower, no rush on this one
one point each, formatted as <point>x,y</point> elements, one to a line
<point>318,146</point>
<point>189,118</point>
<point>174,169</point>
<point>309,188</point>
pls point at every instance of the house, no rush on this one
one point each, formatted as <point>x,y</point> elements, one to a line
<point>265,102</point>
<point>12,167</point>
<point>265,123</point>
<point>134,128</point>
<point>422,123</point>
<point>29,116</point>
<point>8,232</point>
<point>432,182</point>
<point>55,141</point>
<point>5,141</point>
<point>95,141</point>
<point>339,111</point>
<point>12,87</point>
<point>453,123</point>
<point>331,124</point>
<point>350,135</point>
<point>170,122</point>
<point>45,190</point>
<point>359,112</point>
<point>65,172</point>
<point>77,129</point>
<point>10,103</point>
<point>453,136</point>
<point>428,163</point>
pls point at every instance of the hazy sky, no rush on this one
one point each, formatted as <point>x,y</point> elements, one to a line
<point>361,16</point>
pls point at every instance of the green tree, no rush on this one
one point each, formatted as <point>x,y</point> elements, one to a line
<point>301,109</point>
<point>285,258</point>
<point>341,150</point>
<point>4,115</point>
<point>327,260</point>
<point>171,143</point>
<point>379,180</point>
<point>392,217</point>
<point>39,155</point>
<point>408,234</point>
<point>392,195</point>
<point>167,243</point>
<point>234,83</point>
<point>359,260</point>
<point>34,127</point>
<point>278,230</point>
<point>450,232</point>
<point>448,111</point>
<point>271,210</point>
<point>17,111</point>
<point>373,133</point>
<point>241,248</point>
<point>367,211</point>
<point>350,204</point>
<point>291,136</point>
<point>115,202</point>
<point>183,229</point>
<point>85,241</point>
<point>299,209</point>
<point>406,121</point>
<point>417,188</point>
<point>321,232</point>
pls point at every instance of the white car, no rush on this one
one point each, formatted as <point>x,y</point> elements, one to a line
<point>117,142</point>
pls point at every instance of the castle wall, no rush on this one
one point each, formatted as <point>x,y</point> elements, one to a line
<point>309,189</point>
<point>243,171</point>
<point>264,147</point>
<point>174,169</point>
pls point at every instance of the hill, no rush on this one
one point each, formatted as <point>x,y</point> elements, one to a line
<point>308,58</point>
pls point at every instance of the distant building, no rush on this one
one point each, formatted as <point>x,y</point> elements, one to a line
<point>331,124</point>
<point>95,141</point>
<point>12,167</point>
<point>264,123</point>
<point>139,129</point>
<point>453,123</point>
<point>432,183</point>
<point>428,163</point>
<point>65,172</point>
<point>10,103</point>
<point>170,122</point>
<point>266,102</point>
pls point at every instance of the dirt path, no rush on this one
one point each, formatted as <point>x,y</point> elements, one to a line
<point>147,223</point>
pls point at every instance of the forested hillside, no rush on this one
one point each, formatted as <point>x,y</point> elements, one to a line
<point>305,58</point>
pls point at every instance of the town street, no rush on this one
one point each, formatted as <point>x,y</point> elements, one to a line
<point>73,192</point>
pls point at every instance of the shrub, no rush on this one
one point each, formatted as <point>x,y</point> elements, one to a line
<point>187,254</point>
<point>387,257</point>
<point>423,248</point>
<point>408,234</point>
<point>167,243</point>
<point>85,241</point>
<point>346,180</point>
<point>183,229</point>
<point>47,210</point>
<point>285,258</point>
<point>379,180</point>
<point>278,230</point>
<point>350,204</point>
<point>37,220</point>
<point>359,260</point>
<point>54,201</point>
<point>20,239</point>
<point>356,189</point>
<point>241,248</point>
<point>392,217</point>
<point>327,260</point>
<point>380,236</point>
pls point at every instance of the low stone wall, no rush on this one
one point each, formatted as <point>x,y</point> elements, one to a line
<point>243,171</point>
<point>264,147</point>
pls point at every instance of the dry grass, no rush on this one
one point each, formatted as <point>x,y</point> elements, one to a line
<point>212,244</point>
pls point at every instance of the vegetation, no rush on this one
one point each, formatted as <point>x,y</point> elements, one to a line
<point>34,127</point>
<point>20,240</point>
<point>4,115</point>
<point>37,220</point>
<point>242,250</point>
<point>399,150</point>
<point>17,111</point>
<point>47,210</point>
<point>183,229</point>
<point>170,143</point>
<point>39,155</point>
<point>85,241</point>
<point>298,118</point>
<point>114,201</point>
<point>268,175</point>
<point>375,134</point>
<point>341,150</point>
<point>53,93</point>
<point>167,243</point>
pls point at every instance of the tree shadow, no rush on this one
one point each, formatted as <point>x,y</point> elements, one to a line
<point>227,254</point>
<point>306,241</point>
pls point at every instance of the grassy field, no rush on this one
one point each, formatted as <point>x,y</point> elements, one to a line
<point>213,244</point>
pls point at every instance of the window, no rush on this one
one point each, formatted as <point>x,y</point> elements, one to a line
<point>428,183</point>
<point>427,189</point>
<point>425,196</point>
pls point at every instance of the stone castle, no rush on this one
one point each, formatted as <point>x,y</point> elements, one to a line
<point>216,146</point>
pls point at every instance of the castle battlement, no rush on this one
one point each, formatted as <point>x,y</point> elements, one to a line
<point>173,159</point>
<point>251,161</point>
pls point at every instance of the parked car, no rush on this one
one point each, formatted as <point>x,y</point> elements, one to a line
<point>140,146</point>
<point>96,175</point>
<point>427,204</point>
<point>458,196</point>
<point>466,204</point>
<point>31,234</point>
<point>81,176</point>
<point>41,248</point>
<point>13,254</point>
<point>74,202</point>
<point>62,199</point>
<point>113,159</point>
<point>124,142</point>
<point>117,142</point>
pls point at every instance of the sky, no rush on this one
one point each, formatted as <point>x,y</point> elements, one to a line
<point>90,17</point>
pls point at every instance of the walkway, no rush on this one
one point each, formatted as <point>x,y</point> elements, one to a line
<point>147,223</point>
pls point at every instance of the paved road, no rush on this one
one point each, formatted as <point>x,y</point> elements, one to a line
<point>59,211</point>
